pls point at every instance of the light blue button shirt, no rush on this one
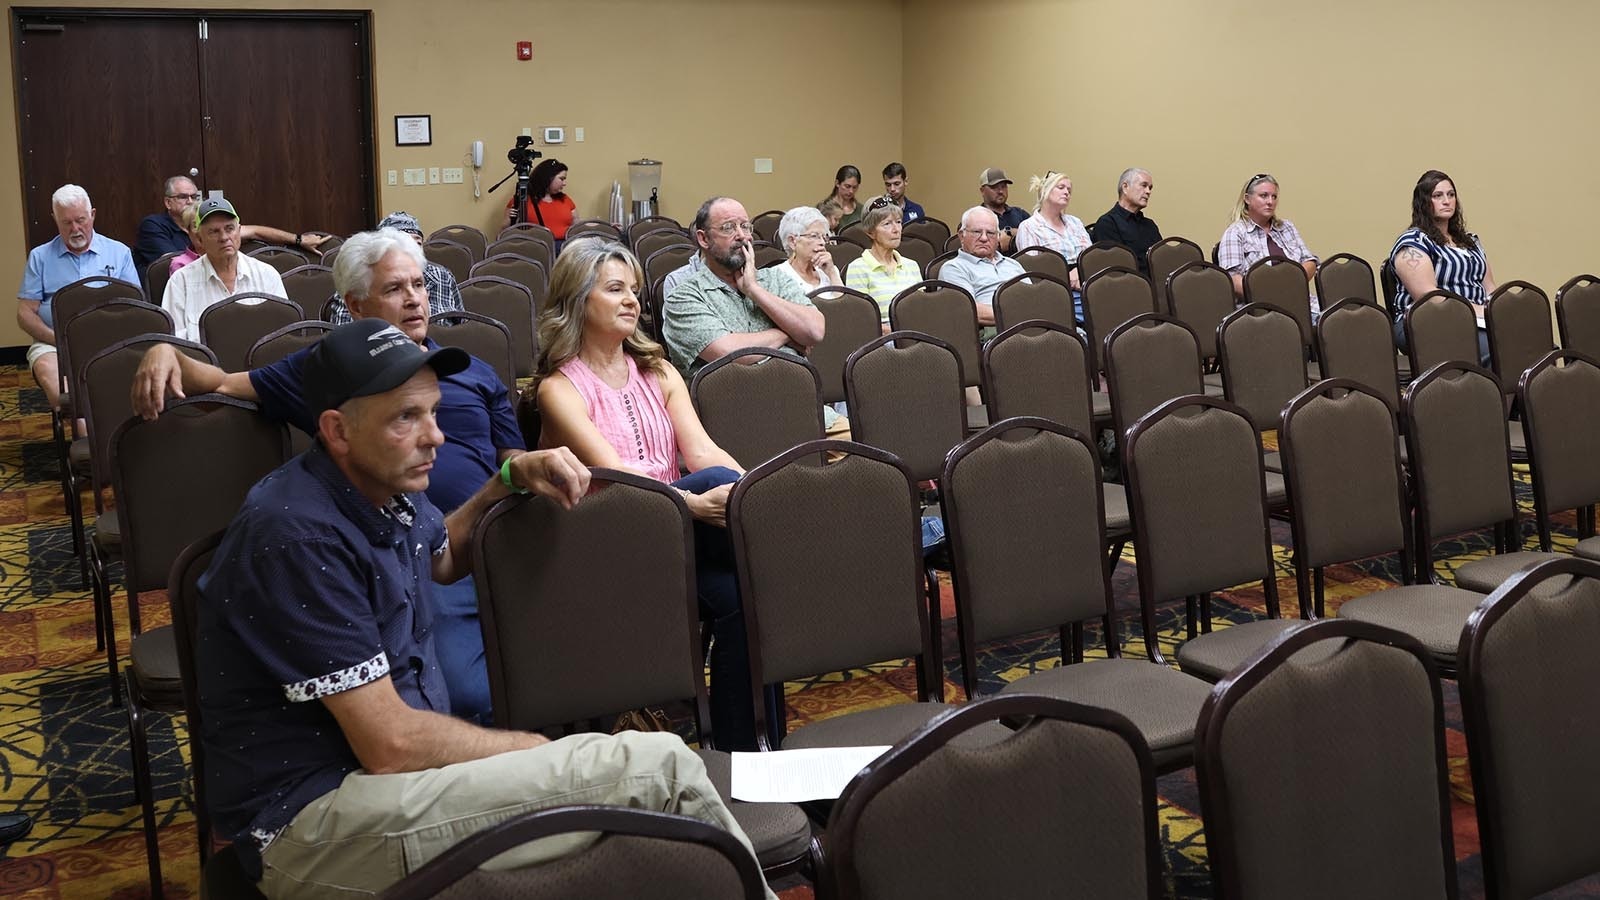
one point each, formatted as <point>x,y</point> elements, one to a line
<point>52,267</point>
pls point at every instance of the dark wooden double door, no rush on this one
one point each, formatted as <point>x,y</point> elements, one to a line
<point>275,110</point>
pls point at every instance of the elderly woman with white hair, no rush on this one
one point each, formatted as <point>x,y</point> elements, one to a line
<point>803,235</point>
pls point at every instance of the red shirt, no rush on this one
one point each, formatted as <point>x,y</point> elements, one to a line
<point>557,214</point>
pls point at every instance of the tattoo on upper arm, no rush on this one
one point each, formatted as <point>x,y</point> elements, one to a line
<point>1411,256</point>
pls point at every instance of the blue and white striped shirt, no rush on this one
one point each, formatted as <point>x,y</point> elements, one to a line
<point>1460,270</point>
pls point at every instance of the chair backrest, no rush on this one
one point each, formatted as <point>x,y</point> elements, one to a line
<point>465,235</point>
<point>286,340</point>
<point>651,225</point>
<point>1037,368</point>
<point>918,250</point>
<point>952,243</point>
<point>529,229</point>
<point>856,234</point>
<point>1044,261</point>
<point>1197,494</point>
<point>1355,340</point>
<point>1440,327</point>
<point>1520,330</point>
<point>1102,255</point>
<point>931,270</point>
<point>637,852</point>
<point>82,337</point>
<point>310,286</point>
<point>329,257</point>
<point>183,598</point>
<point>1347,491</point>
<point>1014,580</point>
<point>1345,275</point>
<point>1263,361</point>
<point>934,231</point>
<point>845,252</point>
<point>1150,359</point>
<point>1167,256</point>
<point>330,242</point>
<point>533,558</point>
<point>1033,296</point>
<point>654,240</point>
<point>766,225</point>
<point>282,258</point>
<point>185,475</point>
<point>859,518</point>
<point>1578,314</point>
<point>526,271</point>
<point>1458,449</point>
<point>453,256</point>
<point>83,294</point>
<point>230,327</point>
<point>1560,394</point>
<point>948,313</point>
<point>1281,282</point>
<point>511,304</point>
<point>1111,296</point>
<point>928,820</point>
<point>524,245</point>
<point>1286,746</point>
<point>768,256</point>
<point>1528,670</point>
<point>1200,294</point>
<point>157,274</point>
<point>850,320</point>
<point>105,395</point>
<point>905,397</point>
<point>481,336</point>
<point>591,227</point>
<point>667,260</point>
<point>758,402</point>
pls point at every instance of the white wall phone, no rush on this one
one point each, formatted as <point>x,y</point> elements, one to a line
<point>477,154</point>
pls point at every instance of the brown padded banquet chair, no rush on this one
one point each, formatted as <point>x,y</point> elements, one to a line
<point>1331,736</point>
<point>1064,807</point>
<point>756,410</point>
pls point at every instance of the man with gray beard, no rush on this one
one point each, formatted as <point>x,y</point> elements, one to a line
<point>728,304</point>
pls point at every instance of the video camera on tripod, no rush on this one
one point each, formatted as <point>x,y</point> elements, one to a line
<point>521,157</point>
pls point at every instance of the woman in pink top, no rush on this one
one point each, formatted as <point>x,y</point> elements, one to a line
<point>607,391</point>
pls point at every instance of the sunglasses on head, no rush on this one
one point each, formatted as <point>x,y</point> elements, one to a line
<point>879,203</point>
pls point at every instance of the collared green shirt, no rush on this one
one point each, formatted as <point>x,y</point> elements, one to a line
<point>703,308</point>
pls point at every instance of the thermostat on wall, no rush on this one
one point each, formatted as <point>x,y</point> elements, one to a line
<point>554,134</point>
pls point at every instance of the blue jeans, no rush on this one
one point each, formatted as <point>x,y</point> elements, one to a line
<point>732,712</point>
<point>458,638</point>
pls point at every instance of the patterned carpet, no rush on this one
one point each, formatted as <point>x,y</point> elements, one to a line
<point>64,750</point>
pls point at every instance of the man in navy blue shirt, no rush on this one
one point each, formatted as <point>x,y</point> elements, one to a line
<point>168,231</point>
<point>894,187</point>
<point>380,273</point>
<point>332,763</point>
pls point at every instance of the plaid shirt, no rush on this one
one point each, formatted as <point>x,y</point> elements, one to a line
<point>1245,243</point>
<point>1036,232</point>
<point>443,294</point>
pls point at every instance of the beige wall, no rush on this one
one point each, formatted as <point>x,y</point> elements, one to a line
<point>706,86</point>
<point>1345,104</point>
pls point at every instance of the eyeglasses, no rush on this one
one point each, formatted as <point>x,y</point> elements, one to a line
<point>982,233</point>
<point>184,196</point>
<point>731,227</point>
<point>814,236</point>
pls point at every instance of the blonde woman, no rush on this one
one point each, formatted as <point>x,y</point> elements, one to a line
<point>1051,226</point>
<point>1256,232</point>
<point>882,272</point>
<point>607,391</point>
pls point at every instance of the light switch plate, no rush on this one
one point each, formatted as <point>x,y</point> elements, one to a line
<point>415,176</point>
<point>577,134</point>
<point>450,176</point>
<point>394,177</point>
<point>433,174</point>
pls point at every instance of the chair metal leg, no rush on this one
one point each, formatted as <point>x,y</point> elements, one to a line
<point>142,787</point>
<point>102,599</point>
<point>1077,642</point>
<point>1189,614</point>
<point>1318,611</point>
<point>1205,613</point>
<point>933,681</point>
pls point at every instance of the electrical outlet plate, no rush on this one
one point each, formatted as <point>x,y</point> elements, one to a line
<point>577,134</point>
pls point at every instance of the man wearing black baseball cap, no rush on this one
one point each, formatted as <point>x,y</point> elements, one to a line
<point>332,762</point>
<point>380,273</point>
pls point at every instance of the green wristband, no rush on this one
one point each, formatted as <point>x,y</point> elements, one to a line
<point>505,476</point>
